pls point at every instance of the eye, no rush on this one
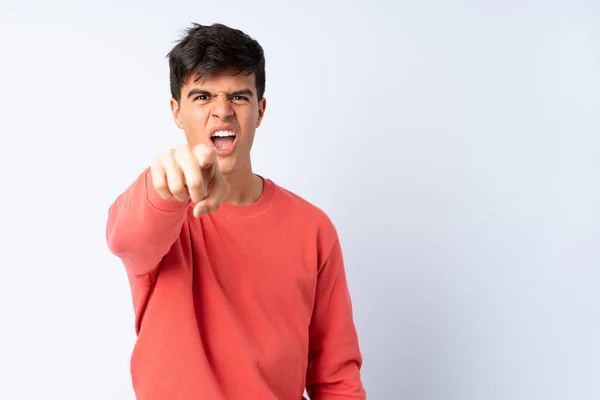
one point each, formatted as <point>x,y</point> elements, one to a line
<point>202,97</point>
<point>239,99</point>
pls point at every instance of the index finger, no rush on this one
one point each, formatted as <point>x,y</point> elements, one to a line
<point>207,160</point>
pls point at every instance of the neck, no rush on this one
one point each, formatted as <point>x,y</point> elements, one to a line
<point>245,187</point>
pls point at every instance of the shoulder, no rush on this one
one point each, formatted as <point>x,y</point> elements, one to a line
<point>298,205</point>
<point>306,216</point>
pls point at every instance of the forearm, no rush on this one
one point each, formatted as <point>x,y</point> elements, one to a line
<point>335,359</point>
<point>337,382</point>
<point>142,227</point>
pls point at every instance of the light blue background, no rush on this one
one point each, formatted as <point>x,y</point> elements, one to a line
<point>454,144</point>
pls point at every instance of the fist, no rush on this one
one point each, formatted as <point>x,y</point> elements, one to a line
<point>190,173</point>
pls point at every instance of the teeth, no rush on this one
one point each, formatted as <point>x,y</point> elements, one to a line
<point>223,134</point>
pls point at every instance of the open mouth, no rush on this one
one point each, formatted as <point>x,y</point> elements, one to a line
<point>223,139</point>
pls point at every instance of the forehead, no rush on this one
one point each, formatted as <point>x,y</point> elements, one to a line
<point>221,82</point>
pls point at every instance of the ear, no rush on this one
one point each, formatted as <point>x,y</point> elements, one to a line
<point>175,111</point>
<point>262,106</point>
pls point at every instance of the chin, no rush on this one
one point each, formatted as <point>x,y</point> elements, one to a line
<point>226,165</point>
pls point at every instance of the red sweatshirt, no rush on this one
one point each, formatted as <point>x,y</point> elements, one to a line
<point>249,302</point>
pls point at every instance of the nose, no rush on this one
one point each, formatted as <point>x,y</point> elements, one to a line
<point>222,108</point>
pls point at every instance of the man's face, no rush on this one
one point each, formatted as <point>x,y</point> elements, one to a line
<point>222,111</point>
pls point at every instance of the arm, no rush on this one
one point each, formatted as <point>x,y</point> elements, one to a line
<point>334,356</point>
<point>145,221</point>
<point>142,227</point>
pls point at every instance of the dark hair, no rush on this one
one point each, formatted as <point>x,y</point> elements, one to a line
<point>208,49</point>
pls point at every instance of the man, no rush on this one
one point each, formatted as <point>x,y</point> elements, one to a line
<point>238,285</point>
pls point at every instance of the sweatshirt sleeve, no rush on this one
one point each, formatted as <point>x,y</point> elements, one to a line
<point>334,356</point>
<point>142,227</point>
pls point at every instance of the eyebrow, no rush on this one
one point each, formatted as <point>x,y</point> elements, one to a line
<point>198,92</point>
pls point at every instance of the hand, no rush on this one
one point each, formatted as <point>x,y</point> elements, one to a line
<point>190,172</point>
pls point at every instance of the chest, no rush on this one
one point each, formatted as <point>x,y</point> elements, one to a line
<point>270,270</point>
